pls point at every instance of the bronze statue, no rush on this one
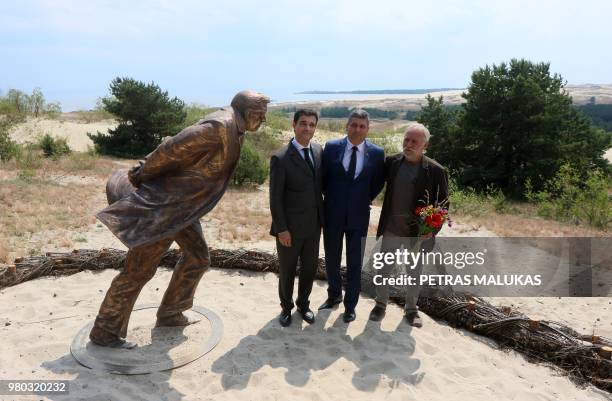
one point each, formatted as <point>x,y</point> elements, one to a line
<point>161,200</point>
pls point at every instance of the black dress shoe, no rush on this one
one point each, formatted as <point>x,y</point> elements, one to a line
<point>307,315</point>
<point>349,316</point>
<point>378,313</point>
<point>285,318</point>
<point>330,303</point>
<point>414,319</point>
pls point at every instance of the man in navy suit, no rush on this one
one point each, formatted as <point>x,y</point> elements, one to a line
<point>353,175</point>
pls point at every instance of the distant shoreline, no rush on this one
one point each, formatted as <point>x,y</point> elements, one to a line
<point>379,92</point>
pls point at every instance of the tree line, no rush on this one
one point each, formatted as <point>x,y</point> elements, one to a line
<point>515,131</point>
<point>19,103</point>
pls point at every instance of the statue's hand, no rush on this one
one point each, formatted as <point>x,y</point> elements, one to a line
<point>134,174</point>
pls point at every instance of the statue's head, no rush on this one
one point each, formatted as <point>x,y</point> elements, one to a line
<point>252,106</point>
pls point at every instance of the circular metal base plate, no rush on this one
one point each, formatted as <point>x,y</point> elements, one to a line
<point>159,348</point>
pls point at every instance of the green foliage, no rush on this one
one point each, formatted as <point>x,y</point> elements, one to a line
<point>332,125</point>
<point>390,141</point>
<point>265,141</point>
<point>252,168</point>
<point>379,113</point>
<point>19,103</point>
<point>334,112</point>
<point>518,123</point>
<point>195,112</point>
<point>468,201</point>
<point>278,120</point>
<point>411,115</point>
<point>8,148</point>
<point>53,147</point>
<point>146,115</point>
<point>442,124</point>
<point>600,114</point>
<point>568,196</point>
<point>343,112</point>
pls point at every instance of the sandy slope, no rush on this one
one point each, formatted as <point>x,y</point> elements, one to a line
<point>75,132</point>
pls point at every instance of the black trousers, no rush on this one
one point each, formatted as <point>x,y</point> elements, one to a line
<point>306,250</point>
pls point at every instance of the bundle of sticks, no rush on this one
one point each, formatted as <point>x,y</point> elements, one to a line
<point>585,358</point>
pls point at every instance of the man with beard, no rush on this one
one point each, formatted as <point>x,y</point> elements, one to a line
<point>413,180</point>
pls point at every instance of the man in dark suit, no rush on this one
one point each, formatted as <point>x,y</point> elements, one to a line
<point>296,204</point>
<point>352,177</point>
<point>413,180</point>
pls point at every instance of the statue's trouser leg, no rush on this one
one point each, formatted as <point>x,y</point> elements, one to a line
<point>140,266</point>
<point>187,273</point>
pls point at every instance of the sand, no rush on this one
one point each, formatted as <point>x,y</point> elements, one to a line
<point>74,131</point>
<point>259,360</point>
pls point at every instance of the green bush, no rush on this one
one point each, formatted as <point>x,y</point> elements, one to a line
<point>265,140</point>
<point>278,120</point>
<point>53,147</point>
<point>573,197</point>
<point>252,168</point>
<point>8,148</point>
<point>332,125</point>
<point>195,112</point>
<point>468,201</point>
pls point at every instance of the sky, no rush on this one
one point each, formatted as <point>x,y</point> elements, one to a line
<point>205,51</point>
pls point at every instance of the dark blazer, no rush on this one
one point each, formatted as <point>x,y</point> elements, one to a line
<point>347,202</point>
<point>296,200</point>
<point>431,188</point>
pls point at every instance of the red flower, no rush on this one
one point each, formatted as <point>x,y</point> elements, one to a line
<point>434,220</point>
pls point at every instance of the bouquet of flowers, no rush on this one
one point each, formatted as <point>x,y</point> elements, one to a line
<point>431,218</point>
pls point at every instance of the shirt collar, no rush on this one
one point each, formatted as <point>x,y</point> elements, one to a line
<point>360,147</point>
<point>298,146</point>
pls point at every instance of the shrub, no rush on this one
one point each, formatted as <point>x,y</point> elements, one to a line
<point>53,147</point>
<point>265,141</point>
<point>572,197</point>
<point>8,148</point>
<point>195,112</point>
<point>252,168</point>
<point>278,120</point>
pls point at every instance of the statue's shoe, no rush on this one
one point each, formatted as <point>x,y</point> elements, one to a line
<point>105,339</point>
<point>175,320</point>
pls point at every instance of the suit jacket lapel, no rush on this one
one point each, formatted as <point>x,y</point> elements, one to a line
<point>366,159</point>
<point>316,156</point>
<point>341,151</point>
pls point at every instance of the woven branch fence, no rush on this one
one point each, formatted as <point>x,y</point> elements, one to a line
<point>584,358</point>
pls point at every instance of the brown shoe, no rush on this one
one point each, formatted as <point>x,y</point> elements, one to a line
<point>414,319</point>
<point>378,313</point>
<point>104,338</point>
<point>172,321</point>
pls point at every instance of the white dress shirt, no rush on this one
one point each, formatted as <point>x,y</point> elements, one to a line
<point>299,147</point>
<point>348,151</point>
